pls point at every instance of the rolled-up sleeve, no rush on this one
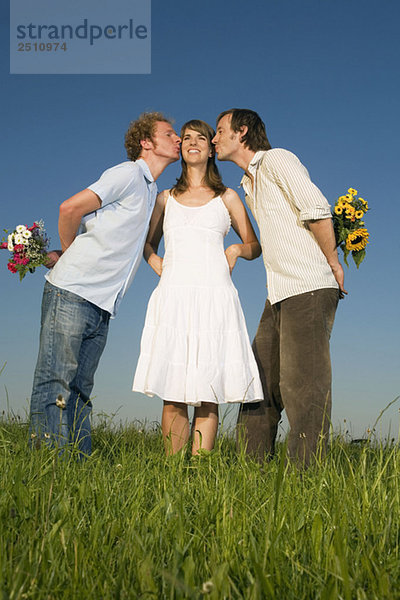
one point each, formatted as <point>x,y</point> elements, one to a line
<point>293,179</point>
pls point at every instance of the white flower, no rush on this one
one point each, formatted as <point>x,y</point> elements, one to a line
<point>27,234</point>
<point>20,228</point>
<point>207,588</point>
<point>10,241</point>
<point>18,239</point>
<point>60,402</point>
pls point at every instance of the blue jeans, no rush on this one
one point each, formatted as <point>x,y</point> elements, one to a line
<point>72,338</point>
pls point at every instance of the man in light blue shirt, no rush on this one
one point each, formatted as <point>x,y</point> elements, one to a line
<point>102,231</point>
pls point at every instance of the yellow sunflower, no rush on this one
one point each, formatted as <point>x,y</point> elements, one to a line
<point>357,240</point>
<point>352,192</point>
<point>364,202</point>
<point>350,212</point>
<point>359,214</point>
<point>338,209</point>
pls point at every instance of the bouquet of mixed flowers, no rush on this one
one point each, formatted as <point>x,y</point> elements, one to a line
<point>351,235</point>
<point>28,247</point>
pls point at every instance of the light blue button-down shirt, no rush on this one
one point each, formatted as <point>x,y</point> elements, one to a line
<point>102,261</point>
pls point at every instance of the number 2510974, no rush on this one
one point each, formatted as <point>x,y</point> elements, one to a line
<point>41,46</point>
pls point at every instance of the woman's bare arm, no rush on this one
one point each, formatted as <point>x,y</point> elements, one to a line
<point>155,234</point>
<point>250,247</point>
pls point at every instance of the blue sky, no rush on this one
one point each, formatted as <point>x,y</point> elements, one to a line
<point>324,77</point>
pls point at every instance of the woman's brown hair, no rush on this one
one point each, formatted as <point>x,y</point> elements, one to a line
<point>212,178</point>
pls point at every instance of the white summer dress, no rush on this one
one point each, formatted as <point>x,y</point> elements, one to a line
<point>195,347</point>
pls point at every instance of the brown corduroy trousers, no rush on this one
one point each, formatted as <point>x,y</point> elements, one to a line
<point>291,347</point>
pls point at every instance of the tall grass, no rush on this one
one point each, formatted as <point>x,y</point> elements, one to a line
<point>130,523</point>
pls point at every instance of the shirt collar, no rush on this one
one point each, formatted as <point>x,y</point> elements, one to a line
<point>255,161</point>
<point>253,165</point>
<point>145,168</point>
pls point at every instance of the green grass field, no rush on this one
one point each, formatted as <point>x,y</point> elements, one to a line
<point>130,523</point>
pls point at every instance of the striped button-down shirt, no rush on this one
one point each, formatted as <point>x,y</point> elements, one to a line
<point>282,200</point>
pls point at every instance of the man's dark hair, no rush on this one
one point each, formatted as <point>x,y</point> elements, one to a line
<point>255,138</point>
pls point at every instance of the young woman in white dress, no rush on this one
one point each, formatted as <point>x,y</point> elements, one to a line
<point>195,348</point>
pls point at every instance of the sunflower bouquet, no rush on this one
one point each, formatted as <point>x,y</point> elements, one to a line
<point>351,235</point>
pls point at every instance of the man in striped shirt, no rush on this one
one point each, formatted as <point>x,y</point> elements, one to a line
<point>304,280</point>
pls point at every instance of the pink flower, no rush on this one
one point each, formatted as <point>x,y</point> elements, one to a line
<point>17,259</point>
<point>19,248</point>
<point>11,267</point>
<point>24,260</point>
<point>34,226</point>
<point>4,245</point>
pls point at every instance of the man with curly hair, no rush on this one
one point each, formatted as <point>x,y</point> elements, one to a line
<point>305,281</point>
<point>102,232</point>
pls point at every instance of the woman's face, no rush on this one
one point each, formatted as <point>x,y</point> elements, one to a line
<point>195,147</point>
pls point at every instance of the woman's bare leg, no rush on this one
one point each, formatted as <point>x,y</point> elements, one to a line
<point>205,426</point>
<point>175,426</point>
